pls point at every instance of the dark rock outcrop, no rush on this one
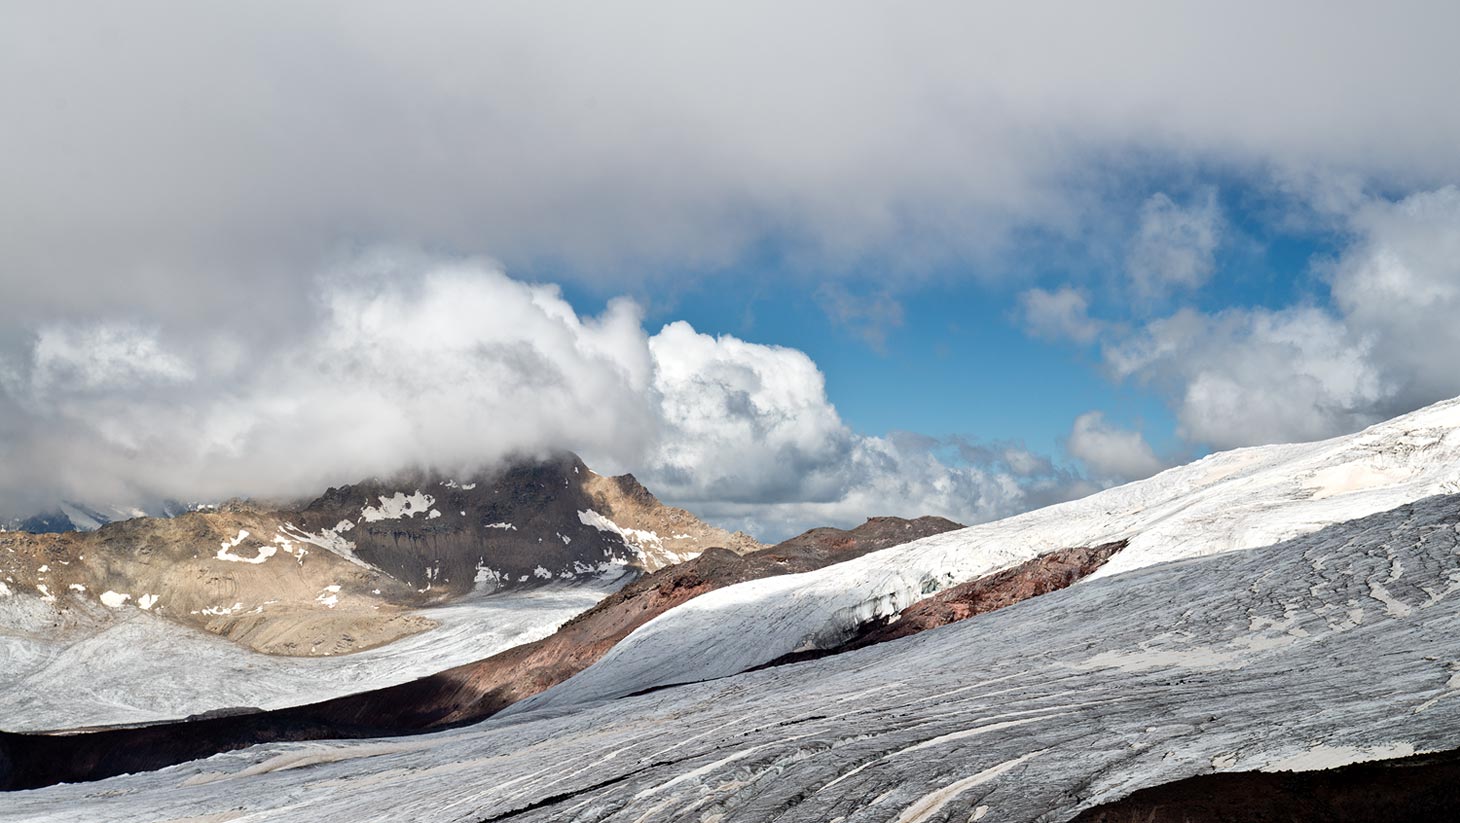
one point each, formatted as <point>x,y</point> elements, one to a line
<point>1417,789</point>
<point>532,522</point>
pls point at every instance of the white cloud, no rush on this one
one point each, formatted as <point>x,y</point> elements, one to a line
<point>1175,245</point>
<point>411,361</point>
<point>449,365</point>
<point>1058,315</point>
<point>745,422</point>
<point>1388,345</point>
<point>1398,286</point>
<point>104,356</point>
<point>1110,453</point>
<point>1256,376</point>
<point>202,150</point>
<point>752,440</point>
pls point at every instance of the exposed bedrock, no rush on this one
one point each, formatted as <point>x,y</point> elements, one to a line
<point>1418,789</point>
<point>460,695</point>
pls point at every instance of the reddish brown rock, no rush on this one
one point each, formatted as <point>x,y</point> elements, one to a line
<point>1049,572</point>
<point>1042,575</point>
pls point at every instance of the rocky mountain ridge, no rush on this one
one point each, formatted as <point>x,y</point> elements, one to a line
<point>346,571</point>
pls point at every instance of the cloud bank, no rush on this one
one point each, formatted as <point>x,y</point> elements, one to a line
<point>408,361</point>
<point>158,155</point>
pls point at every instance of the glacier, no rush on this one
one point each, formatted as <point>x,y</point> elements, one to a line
<point>1338,645</point>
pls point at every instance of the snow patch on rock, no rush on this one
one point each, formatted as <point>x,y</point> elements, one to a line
<point>328,539</point>
<point>397,506</point>
<point>225,551</point>
<point>639,540</point>
<point>330,596</point>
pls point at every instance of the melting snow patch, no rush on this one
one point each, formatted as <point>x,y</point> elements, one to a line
<point>4,590</point>
<point>113,600</point>
<point>433,515</point>
<point>44,569</point>
<point>76,587</point>
<point>45,593</point>
<point>543,573</point>
<point>225,551</point>
<point>397,506</point>
<point>636,539</point>
<point>452,484</point>
<point>501,526</point>
<point>327,539</point>
<point>330,597</point>
<point>1323,756</point>
<point>147,601</point>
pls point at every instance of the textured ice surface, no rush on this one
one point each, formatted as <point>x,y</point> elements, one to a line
<point>109,675</point>
<point>1234,500</point>
<point>1239,660</point>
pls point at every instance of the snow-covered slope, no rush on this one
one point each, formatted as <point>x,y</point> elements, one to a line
<point>1234,500</point>
<point>1334,647</point>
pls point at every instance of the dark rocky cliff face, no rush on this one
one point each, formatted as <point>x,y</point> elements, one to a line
<point>515,528</point>
<point>526,525</point>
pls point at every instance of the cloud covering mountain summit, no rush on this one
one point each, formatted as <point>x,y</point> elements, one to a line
<point>409,361</point>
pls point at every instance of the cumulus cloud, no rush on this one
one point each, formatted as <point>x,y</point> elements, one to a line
<point>1255,376</point>
<point>1112,454</point>
<point>1062,314</point>
<point>1175,245</point>
<point>751,440</point>
<point>747,423</point>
